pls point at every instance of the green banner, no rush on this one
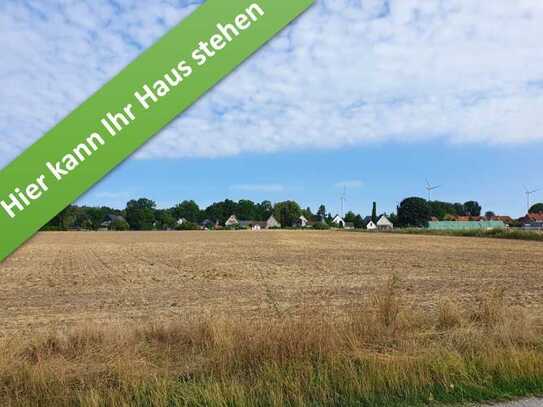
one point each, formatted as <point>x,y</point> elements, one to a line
<point>144,97</point>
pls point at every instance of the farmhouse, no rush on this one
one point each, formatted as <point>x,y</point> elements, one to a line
<point>533,226</point>
<point>369,224</point>
<point>208,224</point>
<point>110,219</point>
<point>384,223</point>
<point>302,222</point>
<point>232,221</point>
<point>272,223</point>
<point>531,218</point>
<point>338,221</point>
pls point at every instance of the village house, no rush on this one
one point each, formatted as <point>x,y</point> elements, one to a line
<point>181,221</point>
<point>369,224</point>
<point>110,219</point>
<point>384,223</point>
<point>532,221</point>
<point>302,222</point>
<point>209,224</point>
<point>232,221</point>
<point>338,221</point>
<point>271,223</point>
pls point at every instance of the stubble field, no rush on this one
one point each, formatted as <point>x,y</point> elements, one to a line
<point>269,318</point>
<point>63,279</point>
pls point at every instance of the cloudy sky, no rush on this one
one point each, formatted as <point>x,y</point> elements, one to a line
<point>369,95</point>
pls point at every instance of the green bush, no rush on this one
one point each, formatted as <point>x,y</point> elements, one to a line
<point>120,225</point>
<point>187,226</point>
<point>321,226</point>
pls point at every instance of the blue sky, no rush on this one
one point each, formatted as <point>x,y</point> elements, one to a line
<point>374,95</point>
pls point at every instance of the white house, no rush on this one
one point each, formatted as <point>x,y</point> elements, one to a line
<point>371,226</point>
<point>272,223</point>
<point>384,223</point>
<point>232,221</point>
<point>181,221</point>
<point>302,222</point>
<point>338,221</point>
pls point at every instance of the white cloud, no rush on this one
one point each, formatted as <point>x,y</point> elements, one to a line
<point>258,187</point>
<point>354,183</point>
<point>348,72</point>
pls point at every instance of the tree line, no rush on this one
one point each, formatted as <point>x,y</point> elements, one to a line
<point>143,214</point>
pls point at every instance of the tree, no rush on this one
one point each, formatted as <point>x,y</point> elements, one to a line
<point>358,222</point>
<point>321,213</point>
<point>140,214</point>
<point>537,208</point>
<point>165,219</point>
<point>120,225</point>
<point>472,208</point>
<point>264,210</point>
<point>287,213</point>
<point>440,209</point>
<point>306,213</point>
<point>246,210</point>
<point>374,213</point>
<point>350,217</point>
<point>489,214</point>
<point>414,212</point>
<point>188,210</point>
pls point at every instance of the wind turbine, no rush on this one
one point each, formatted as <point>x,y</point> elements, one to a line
<point>529,195</point>
<point>430,188</point>
<point>343,198</point>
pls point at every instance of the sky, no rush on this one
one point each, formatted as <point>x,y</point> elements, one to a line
<point>368,96</point>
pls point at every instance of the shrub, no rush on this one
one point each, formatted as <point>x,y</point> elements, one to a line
<point>321,226</point>
<point>187,226</point>
<point>120,225</point>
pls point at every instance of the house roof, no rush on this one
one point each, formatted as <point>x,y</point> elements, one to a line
<point>508,220</point>
<point>533,217</point>
<point>384,221</point>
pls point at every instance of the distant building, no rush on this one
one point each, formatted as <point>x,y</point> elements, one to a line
<point>533,226</point>
<point>232,221</point>
<point>531,218</point>
<point>181,221</point>
<point>368,223</point>
<point>208,224</point>
<point>272,223</point>
<point>302,222</point>
<point>371,226</point>
<point>349,225</point>
<point>466,225</point>
<point>252,224</point>
<point>110,219</point>
<point>338,221</point>
<point>384,223</point>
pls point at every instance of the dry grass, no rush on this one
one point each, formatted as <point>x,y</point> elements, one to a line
<point>269,319</point>
<point>63,279</point>
<point>382,353</point>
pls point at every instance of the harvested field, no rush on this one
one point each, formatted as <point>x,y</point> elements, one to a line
<point>63,279</point>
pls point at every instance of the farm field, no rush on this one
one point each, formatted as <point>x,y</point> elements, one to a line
<point>63,279</point>
<point>270,318</point>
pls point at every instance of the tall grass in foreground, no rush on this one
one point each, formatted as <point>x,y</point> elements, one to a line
<point>382,353</point>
